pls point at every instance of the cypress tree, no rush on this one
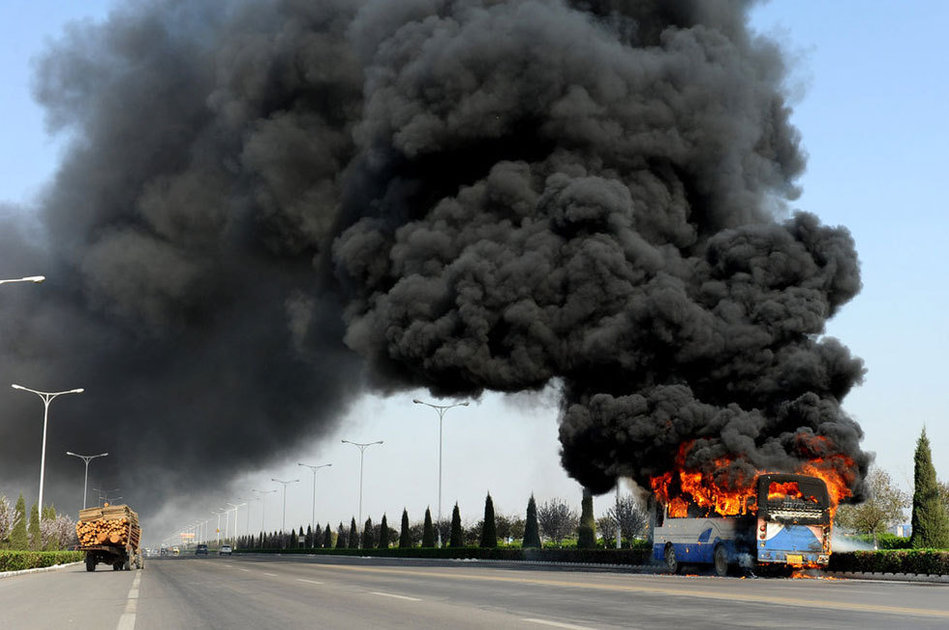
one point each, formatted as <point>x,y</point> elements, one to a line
<point>457,537</point>
<point>327,537</point>
<point>489,530</point>
<point>340,536</point>
<point>310,541</point>
<point>531,528</point>
<point>353,535</point>
<point>428,531</point>
<point>367,535</point>
<point>19,539</point>
<point>586,533</point>
<point>405,539</point>
<point>930,522</point>
<point>36,542</point>
<point>384,533</point>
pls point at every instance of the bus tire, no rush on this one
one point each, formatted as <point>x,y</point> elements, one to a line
<point>672,563</point>
<point>721,561</point>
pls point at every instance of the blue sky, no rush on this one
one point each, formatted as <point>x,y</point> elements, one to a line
<point>871,91</point>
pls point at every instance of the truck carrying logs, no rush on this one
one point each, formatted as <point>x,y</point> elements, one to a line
<point>110,535</point>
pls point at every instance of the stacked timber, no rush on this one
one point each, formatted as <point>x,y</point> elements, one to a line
<point>111,525</point>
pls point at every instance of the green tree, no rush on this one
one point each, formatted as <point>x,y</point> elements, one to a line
<point>36,538</point>
<point>489,529</point>
<point>531,530</point>
<point>428,530</point>
<point>883,509</point>
<point>310,539</point>
<point>457,537</point>
<point>340,536</point>
<point>384,533</point>
<point>367,542</point>
<point>19,539</point>
<point>930,522</point>
<point>586,532</point>
<point>327,537</point>
<point>405,538</point>
<point>353,535</point>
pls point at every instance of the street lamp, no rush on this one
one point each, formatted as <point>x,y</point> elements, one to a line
<point>47,398</point>
<point>362,452</point>
<point>441,409</point>
<point>26,279</point>
<point>314,469</point>
<point>236,506</point>
<point>87,459</point>
<point>262,505</point>
<point>283,527</point>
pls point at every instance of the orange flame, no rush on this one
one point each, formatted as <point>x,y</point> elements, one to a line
<point>682,489</point>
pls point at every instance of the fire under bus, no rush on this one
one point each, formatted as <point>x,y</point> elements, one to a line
<point>785,522</point>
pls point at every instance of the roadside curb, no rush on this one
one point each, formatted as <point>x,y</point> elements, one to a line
<point>888,577</point>
<point>7,574</point>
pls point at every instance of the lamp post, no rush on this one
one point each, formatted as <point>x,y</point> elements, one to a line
<point>25,279</point>
<point>314,469</point>
<point>85,483</point>
<point>47,397</point>
<point>262,505</point>
<point>362,452</point>
<point>283,528</point>
<point>441,409</point>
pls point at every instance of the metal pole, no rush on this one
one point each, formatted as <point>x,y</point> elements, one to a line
<point>47,398</point>
<point>85,483</point>
<point>440,409</point>
<point>283,527</point>
<point>314,469</point>
<point>26,279</point>
<point>619,529</point>
<point>362,446</point>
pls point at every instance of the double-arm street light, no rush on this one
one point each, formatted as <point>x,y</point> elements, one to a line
<point>362,452</point>
<point>87,459</point>
<point>314,469</point>
<point>47,397</point>
<point>263,498</point>
<point>25,279</point>
<point>441,409</point>
<point>283,528</point>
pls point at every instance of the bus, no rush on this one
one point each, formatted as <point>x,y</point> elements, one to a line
<point>785,522</point>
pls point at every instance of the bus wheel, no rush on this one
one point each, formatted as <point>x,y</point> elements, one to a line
<point>672,563</point>
<point>721,561</point>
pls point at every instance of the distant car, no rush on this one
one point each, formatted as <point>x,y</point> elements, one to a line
<point>225,550</point>
<point>201,550</point>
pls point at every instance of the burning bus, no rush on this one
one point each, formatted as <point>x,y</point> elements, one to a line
<point>768,520</point>
<point>785,521</point>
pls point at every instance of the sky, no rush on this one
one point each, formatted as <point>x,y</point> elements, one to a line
<point>869,87</point>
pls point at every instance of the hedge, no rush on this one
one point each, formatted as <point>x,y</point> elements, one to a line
<point>637,556</point>
<point>19,560</point>
<point>916,561</point>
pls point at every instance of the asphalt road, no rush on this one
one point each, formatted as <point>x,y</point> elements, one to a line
<point>262,592</point>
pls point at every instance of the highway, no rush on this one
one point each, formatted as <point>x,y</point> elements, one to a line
<point>336,592</point>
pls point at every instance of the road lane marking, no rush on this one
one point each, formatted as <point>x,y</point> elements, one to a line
<point>244,570</point>
<point>685,591</point>
<point>270,574</point>
<point>411,599</point>
<point>127,620</point>
<point>558,624</point>
<point>308,581</point>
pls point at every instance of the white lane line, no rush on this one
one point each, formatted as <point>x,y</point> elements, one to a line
<point>558,624</point>
<point>245,570</point>
<point>127,620</point>
<point>411,599</point>
<point>270,574</point>
<point>308,581</point>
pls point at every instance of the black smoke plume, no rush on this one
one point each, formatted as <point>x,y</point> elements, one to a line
<point>268,206</point>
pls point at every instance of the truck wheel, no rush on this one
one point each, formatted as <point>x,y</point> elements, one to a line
<point>90,563</point>
<point>721,561</point>
<point>117,566</point>
<point>672,563</point>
